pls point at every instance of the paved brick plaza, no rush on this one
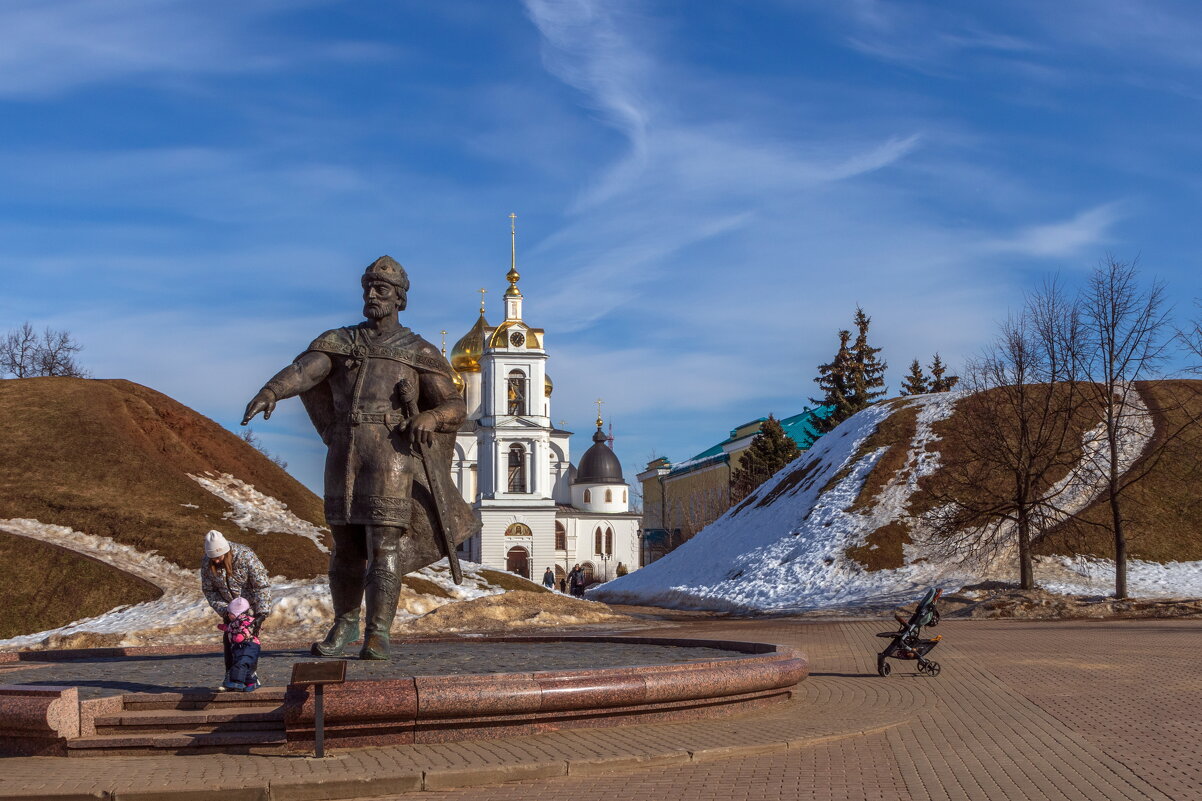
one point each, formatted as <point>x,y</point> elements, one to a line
<point>1073,710</point>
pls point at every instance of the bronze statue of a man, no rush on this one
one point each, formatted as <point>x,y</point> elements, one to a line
<point>382,399</point>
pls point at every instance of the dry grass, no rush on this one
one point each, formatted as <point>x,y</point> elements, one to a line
<point>508,581</point>
<point>46,587</point>
<point>112,458</point>
<point>954,447</point>
<point>884,548</point>
<point>1163,511</point>
<point>895,433</point>
<point>510,611</point>
<point>424,586</point>
<point>871,442</point>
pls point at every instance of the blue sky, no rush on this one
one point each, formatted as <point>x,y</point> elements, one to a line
<point>705,191</point>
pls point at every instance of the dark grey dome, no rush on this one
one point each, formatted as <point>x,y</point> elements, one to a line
<point>600,464</point>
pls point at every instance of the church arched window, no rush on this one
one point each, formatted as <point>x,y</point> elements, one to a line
<point>517,468</point>
<point>609,541</point>
<point>609,496</point>
<point>623,496</point>
<point>561,537</point>
<point>588,496</point>
<point>517,393</point>
<point>597,541</point>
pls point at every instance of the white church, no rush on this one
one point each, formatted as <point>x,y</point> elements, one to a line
<point>537,509</point>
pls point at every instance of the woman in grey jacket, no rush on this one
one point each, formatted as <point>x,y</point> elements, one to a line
<point>230,571</point>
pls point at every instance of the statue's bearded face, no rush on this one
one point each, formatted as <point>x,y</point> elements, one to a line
<point>382,299</point>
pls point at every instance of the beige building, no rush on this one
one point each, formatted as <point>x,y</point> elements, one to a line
<point>681,499</point>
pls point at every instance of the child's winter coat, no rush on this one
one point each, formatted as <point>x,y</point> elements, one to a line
<point>244,647</point>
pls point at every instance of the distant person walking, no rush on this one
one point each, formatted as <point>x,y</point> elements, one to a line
<point>230,571</point>
<point>549,579</point>
<point>576,581</point>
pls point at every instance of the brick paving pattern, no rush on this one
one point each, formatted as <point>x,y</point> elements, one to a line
<point>1077,710</point>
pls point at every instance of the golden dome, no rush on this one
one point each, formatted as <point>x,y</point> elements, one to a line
<point>465,356</point>
<point>460,384</point>
<point>547,385</point>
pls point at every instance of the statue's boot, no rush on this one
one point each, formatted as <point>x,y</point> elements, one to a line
<point>383,589</point>
<point>346,593</point>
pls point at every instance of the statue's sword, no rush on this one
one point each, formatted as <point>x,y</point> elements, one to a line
<point>436,480</point>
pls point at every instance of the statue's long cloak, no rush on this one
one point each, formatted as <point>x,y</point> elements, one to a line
<point>372,475</point>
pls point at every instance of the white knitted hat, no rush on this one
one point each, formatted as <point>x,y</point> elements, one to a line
<point>216,544</point>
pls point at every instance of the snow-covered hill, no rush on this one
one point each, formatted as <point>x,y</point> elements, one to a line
<point>794,543</point>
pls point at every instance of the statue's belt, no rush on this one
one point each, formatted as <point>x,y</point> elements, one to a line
<point>389,419</point>
<point>359,351</point>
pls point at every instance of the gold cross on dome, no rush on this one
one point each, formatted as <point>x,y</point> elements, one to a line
<point>482,291</point>
<point>513,223</point>
<point>598,402</point>
<point>444,342</point>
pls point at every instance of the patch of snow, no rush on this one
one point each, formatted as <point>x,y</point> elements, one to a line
<point>1084,575</point>
<point>251,509</point>
<point>146,565</point>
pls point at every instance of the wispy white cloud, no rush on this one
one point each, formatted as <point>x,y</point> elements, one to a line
<point>52,47</point>
<point>680,181</point>
<point>1087,230</point>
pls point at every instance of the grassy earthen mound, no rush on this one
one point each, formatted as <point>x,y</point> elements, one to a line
<point>112,458</point>
<point>1162,510</point>
<point>48,587</point>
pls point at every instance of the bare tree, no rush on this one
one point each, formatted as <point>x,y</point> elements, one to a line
<point>697,509</point>
<point>1127,336</point>
<point>1191,340</point>
<point>1017,436</point>
<point>26,354</point>
<point>249,436</point>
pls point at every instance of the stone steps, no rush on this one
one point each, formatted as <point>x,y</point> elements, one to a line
<point>155,720</point>
<point>203,699</point>
<point>191,722</point>
<point>179,742</point>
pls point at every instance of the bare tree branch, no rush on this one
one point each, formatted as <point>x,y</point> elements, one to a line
<point>26,354</point>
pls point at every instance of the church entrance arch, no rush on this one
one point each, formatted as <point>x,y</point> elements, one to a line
<point>518,561</point>
<point>588,571</point>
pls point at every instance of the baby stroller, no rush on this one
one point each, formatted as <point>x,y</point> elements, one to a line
<point>907,643</point>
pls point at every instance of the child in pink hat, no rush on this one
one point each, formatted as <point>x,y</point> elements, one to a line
<point>244,647</point>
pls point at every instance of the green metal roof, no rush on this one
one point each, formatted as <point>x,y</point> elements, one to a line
<point>800,428</point>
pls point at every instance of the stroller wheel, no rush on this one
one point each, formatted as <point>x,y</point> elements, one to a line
<point>932,668</point>
<point>883,668</point>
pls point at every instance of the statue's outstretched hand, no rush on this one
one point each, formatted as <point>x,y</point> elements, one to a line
<point>421,428</point>
<point>263,402</point>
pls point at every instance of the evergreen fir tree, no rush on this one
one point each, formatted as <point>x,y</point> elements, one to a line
<point>916,382</point>
<point>835,380</point>
<point>869,374</point>
<point>938,382</point>
<point>770,450</point>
